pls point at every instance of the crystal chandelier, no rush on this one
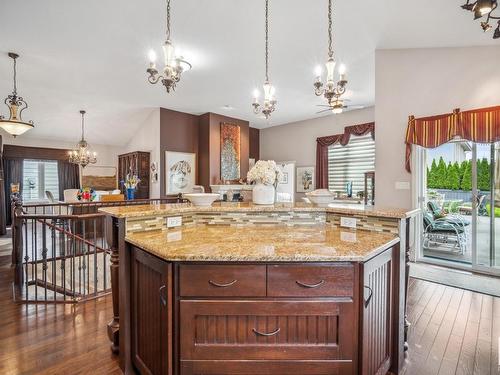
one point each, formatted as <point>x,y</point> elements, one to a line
<point>482,8</point>
<point>174,65</point>
<point>16,104</point>
<point>269,104</point>
<point>82,155</point>
<point>332,91</point>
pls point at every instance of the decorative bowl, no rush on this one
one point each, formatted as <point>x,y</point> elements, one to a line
<point>321,196</point>
<point>201,199</point>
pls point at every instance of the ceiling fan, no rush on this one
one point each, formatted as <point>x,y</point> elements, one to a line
<point>337,106</point>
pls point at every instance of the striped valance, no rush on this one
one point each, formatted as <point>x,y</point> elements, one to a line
<point>478,125</point>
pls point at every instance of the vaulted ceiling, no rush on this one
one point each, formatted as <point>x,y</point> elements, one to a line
<point>92,54</point>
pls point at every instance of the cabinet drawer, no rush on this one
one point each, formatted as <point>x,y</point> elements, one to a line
<point>222,280</point>
<point>326,280</point>
<point>246,330</point>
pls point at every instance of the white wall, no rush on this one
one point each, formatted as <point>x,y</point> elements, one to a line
<point>106,155</point>
<point>424,82</point>
<point>147,138</point>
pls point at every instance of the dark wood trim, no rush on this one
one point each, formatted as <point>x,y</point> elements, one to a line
<point>37,153</point>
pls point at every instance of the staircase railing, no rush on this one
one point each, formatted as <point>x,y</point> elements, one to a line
<point>60,251</point>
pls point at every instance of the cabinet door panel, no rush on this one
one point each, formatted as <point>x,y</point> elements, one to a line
<point>151,301</point>
<point>376,312</point>
<point>267,330</point>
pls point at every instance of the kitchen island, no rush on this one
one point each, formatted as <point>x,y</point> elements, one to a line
<point>258,290</point>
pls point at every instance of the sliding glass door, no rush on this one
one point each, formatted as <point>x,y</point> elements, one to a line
<point>461,204</point>
<point>486,215</point>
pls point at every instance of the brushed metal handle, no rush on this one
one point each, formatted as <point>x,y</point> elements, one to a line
<point>266,334</point>
<point>163,300</point>
<point>310,285</point>
<point>222,285</point>
<point>367,301</point>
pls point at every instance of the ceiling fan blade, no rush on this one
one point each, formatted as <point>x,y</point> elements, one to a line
<point>324,110</point>
<point>354,106</point>
<point>323,105</point>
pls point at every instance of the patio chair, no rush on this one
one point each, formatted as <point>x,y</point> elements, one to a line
<point>442,232</point>
<point>453,219</point>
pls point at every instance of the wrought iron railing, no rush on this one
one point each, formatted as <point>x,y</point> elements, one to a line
<point>60,251</point>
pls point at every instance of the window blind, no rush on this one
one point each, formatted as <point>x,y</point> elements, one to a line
<point>350,162</point>
<point>38,177</point>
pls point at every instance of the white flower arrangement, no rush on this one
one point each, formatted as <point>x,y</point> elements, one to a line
<point>265,172</point>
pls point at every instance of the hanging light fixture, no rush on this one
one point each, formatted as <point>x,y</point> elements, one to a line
<point>484,8</point>
<point>269,104</point>
<point>332,90</point>
<point>16,104</point>
<point>174,65</point>
<point>82,155</point>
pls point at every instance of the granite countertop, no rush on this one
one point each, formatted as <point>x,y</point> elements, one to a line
<point>319,243</point>
<point>180,208</point>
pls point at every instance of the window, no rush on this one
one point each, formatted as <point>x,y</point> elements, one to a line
<point>39,176</point>
<point>350,162</point>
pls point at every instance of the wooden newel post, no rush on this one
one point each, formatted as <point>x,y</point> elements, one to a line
<point>114,324</point>
<point>17,242</point>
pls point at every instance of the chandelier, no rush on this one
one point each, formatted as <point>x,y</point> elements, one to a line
<point>269,104</point>
<point>82,156</point>
<point>484,8</point>
<point>174,65</point>
<point>332,91</point>
<point>16,104</point>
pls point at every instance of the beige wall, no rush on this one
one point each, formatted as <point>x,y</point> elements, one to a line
<point>297,141</point>
<point>424,82</point>
<point>147,138</point>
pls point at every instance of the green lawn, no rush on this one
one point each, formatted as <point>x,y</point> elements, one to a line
<point>497,210</point>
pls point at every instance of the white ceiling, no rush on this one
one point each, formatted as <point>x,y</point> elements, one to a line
<point>92,54</point>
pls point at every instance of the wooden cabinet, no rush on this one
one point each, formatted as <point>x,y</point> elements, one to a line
<point>213,318</point>
<point>137,163</point>
<point>151,314</point>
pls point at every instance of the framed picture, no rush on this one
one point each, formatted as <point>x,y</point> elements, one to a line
<point>229,152</point>
<point>305,179</point>
<point>180,172</point>
<point>284,180</point>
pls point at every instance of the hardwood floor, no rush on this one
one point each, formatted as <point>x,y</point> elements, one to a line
<point>453,332</point>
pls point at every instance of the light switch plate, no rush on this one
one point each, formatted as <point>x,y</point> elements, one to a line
<point>348,222</point>
<point>348,236</point>
<point>174,221</point>
<point>402,185</point>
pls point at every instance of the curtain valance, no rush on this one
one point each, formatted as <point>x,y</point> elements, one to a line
<point>478,125</point>
<point>322,144</point>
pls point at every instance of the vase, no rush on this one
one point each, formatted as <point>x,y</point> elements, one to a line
<point>130,194</point>
<point>263,194</point>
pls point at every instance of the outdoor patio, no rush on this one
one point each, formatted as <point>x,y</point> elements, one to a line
<point>483,245</point>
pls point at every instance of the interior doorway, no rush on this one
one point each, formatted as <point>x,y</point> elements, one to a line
<point>460,200</point>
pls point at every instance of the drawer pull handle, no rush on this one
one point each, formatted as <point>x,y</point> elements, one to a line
<point>219,285</point>
<point>266,334</point>
<point>310,285</point>
<point>163,300</point>
<point>367,301</point>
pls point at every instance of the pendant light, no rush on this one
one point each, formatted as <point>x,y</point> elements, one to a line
<point>269,104</point>
<point>332,90</point>
<point>82,155</point>
<point>174,65</point>
<point>16,104</point>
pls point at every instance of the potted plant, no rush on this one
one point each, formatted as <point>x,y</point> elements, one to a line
<point>265,175</point>
<point>130,183</point>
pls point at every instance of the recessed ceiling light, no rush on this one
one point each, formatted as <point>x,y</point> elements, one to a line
<point>227,107</point>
